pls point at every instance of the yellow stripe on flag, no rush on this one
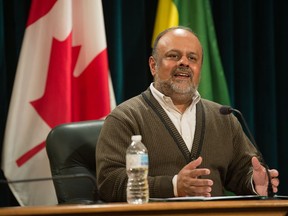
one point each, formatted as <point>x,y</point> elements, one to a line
<point>167,16</point>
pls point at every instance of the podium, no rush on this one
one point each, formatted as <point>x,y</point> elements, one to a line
<point>231,207</point>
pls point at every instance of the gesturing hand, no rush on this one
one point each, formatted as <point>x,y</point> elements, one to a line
<point>260,178</point>
<point>189,183</point>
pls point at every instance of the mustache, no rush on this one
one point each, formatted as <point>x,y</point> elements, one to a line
<point>182,69</point>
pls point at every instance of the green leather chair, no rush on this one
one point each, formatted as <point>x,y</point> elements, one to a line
<point>71,152</point>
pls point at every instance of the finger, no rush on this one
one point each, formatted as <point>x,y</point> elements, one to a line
<point>256,164</point>
<point>201,182</point>
<point>204,195</point>
<point>194,164</point>
<point>275,182</point>
<point>199,172</point>
<point>207,195</point>
<point>274,173</point>
<point>199,191</point>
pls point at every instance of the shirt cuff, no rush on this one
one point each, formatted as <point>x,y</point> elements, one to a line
<point>174,182</point>
<point>252,184</point>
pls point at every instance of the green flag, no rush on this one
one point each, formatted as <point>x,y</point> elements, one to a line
<point>197,15</point>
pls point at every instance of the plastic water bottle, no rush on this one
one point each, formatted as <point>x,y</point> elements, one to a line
<point>137,171</point>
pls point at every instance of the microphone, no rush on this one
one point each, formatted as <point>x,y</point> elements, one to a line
<point>226,110</point>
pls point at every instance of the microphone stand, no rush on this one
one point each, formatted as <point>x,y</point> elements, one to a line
<point>269,188</point>
<point>227,110</point>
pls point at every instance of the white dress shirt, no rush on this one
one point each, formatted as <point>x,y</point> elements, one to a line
<point>184,122</point>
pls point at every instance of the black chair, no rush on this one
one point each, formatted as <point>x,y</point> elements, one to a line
<point>71,152</point>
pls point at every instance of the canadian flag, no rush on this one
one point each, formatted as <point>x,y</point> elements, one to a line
<point>62,76</point>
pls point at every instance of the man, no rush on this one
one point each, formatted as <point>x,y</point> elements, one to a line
<point>193,149</point>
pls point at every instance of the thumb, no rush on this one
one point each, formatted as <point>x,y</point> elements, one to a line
<point>256,164</point>
<point>194,164</point>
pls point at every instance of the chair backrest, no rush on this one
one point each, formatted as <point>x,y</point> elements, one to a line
<point>71,151</point>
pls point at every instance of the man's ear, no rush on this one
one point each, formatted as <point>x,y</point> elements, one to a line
<point>152,65</point>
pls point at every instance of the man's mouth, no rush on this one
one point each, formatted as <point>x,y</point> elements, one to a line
<point>182,75</point>
<point>182,72</point>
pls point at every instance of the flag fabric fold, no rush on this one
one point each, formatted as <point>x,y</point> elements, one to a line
<point>197,15</point>
<point>62,76</point>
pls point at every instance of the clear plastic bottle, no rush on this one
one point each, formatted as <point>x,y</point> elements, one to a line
<point>137,171</point>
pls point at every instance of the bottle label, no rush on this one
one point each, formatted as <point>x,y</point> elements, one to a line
<point>136,161</point>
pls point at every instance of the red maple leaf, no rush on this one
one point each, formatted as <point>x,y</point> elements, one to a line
<point>54,106</point>
<point>68,98</point>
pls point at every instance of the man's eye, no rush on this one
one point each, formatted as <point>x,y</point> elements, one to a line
<point>173,56</point>
<point>192,58</point>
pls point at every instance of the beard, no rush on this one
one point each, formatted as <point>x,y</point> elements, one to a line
<point>182,89</point>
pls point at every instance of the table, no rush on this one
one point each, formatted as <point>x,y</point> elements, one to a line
<point>231,207</point>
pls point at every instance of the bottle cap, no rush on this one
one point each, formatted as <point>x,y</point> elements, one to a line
<point>136,138</point>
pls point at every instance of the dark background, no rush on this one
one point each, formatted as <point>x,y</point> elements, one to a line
<point>253,43</point>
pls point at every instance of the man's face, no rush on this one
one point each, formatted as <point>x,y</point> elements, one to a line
<point>177,65</point>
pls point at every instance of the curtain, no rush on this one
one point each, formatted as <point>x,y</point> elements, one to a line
<point>129,35</point>
<point>13,16</point>
<point>252,39</point>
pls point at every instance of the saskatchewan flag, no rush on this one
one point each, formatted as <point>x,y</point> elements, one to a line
<point>197,15</point>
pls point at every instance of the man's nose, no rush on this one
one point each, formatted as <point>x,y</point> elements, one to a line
<point>183,61</point>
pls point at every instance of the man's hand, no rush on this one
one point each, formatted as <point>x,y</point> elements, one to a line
<point>189,183</point>
<point>260,178</point>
